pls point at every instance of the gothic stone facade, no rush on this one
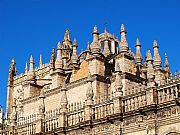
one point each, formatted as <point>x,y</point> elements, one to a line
<point>106,89</point>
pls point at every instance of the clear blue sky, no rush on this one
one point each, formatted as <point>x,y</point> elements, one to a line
<point>35,26</point>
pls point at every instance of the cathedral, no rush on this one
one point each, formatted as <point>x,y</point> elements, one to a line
<point>105,90</point>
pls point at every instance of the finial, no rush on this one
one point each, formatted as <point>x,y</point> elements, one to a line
<point>59,45</point>
<point>31,66</point>
<point>155,44</point>
<point>75,42</point>
<point>67,35</point>
<point>95,29</point>
<point>157,59</point>
<point>138,42</point>
<point>123,28</point>
<point>31,59</point>
<point>138,56</point>
<point>148,56</point>
<point>13,61</point>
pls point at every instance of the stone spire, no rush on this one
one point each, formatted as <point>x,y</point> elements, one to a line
<point>58,62</point>
<point>123,44</point>
<point>95,34</point>
<point>63,100</point>
<point>74,56</point>
<point>95,46</point>
<point>138,55</point>
<point>150,70</point>
<point>123,33</point>
<point>40,61</point>
<point>166,63</point>
<point>157,59</point>
<point>106,50</point>
<point>26,68</point>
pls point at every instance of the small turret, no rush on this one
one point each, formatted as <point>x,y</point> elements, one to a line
<point>123,44</point>
<point>31,74</point>
<point>95,46</point>
<point>59,63</point>
<point>52,60</point>
<point>157,59</point>
<point>74,56</point>
<point>150,70</point>
<point>106,50</point>
<point>31,67</point>
<point>138,56</point>
<point>66,48</point>
<point>95,34</point>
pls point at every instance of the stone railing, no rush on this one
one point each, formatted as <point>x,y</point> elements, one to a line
<point>103,109</point>
<point>27,129</point>
<point>134,103</point>
<point>51,124</point>
<point>75,117</point>
<point>26,120</point>
<point>168,93</point>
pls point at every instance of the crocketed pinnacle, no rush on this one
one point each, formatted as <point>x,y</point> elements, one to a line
<point>123,29</point>
<point>95,46</point>
<point>58,62</point>
<point>74,57</point>
<point>52,59</point>
<point>123,44</point>
<point>148,56</point>
<point>95,30</point>
<point>150,70</point>
<point>31,67</point>
<point>106,50</point>
<point>138,56</point>
<point>157,59</point>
